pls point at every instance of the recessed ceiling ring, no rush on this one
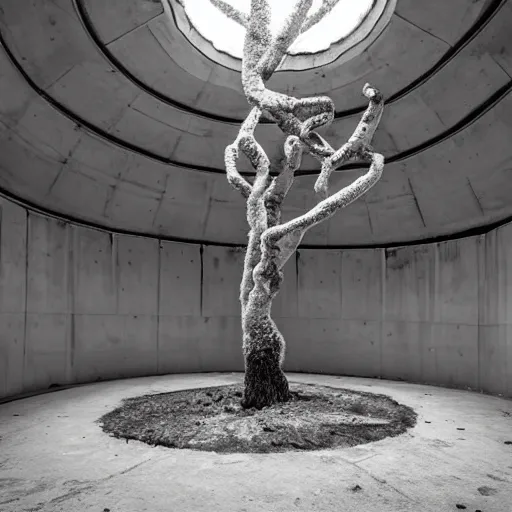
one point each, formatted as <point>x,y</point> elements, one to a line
<point>354,37</point>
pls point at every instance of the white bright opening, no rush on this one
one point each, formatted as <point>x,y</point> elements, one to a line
<point>228,36</point>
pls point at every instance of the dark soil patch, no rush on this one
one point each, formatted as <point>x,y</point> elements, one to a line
<point>211,419</point>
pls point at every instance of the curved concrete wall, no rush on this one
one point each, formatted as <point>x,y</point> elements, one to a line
<point>109,115</point>
<point>80,305</point>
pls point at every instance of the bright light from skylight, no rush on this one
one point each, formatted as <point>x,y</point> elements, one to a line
<point>228,36</point>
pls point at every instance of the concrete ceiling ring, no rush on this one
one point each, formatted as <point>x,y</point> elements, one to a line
<point>475,114</point>
<point>75,221</point>
<point>491,10</point>
<point>339,52</point>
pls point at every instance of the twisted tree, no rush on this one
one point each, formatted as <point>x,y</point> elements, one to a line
<point>271,243</point>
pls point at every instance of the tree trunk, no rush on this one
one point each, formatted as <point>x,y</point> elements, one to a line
<point>270,242</point>
<point>264,347</point>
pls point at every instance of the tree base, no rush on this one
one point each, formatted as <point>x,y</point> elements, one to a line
<point>265,381</point>
<point>211,419</point>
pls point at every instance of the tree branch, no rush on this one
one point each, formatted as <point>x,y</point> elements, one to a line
<point>256,213</point>
<point>276,194</point>
<point>325,9</point>
<point>284,38</point>
<point>264,208</point>
<point>271,243</point>
<point>357,147</point>
<point>358,144</point>
<point>280,185</point>
<point>262,55</point>
<point>257,36</point>
<point>328,207</point>
<point>231,153</point>
<point>231,12</point>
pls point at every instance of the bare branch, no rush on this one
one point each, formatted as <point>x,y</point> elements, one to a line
<point>359,147</point>
<point>231,153</point>
<point>284,38</point>
<point>234,177</point>
<point>262,55</point>
<point>258,35</point>
<point>299,117</point>
<point>256,212</point>
<point>325,9</point>
<point>359,141</point>
<point>288,245</point>
<point>231,12</point>
<point>328,207</point>
<point>276,193</point>
<point>270,243</point>
<point>279,242</point>
<point>369,122</point>
<point>264,209</point>
<point>282,183</point>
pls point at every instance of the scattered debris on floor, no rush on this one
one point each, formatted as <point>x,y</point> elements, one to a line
<point>487,491</point>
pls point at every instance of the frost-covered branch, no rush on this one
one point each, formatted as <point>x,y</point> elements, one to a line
<point>231,12</point>
<point>277,193</point>
<point>256,214</point>
<point>280,185</point>
<point>358,144</point>
<point>328,207</point>
<point>284,37</point>
<point>231,153</point>
<point>262,56</point>
<point>271,243</point>
<point>242,19</point>
<point>326,7</point>
<point>288,236</point>
<point>257,35</point>
<point>264,208</point>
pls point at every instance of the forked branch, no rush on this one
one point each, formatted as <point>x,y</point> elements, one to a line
<point>242,19</point>
<point>231,153</point>
<point>231,12</point>
<point>264,207</point>
<point>328,207</point>
<point>262,56</point>
<point>270,242</point>
<point>358,145</point>
<point>326,7</point>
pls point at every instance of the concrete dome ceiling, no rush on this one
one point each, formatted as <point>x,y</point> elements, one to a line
<point>110,116</point>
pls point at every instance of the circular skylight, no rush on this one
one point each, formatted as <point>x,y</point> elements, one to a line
<point>227,35</point>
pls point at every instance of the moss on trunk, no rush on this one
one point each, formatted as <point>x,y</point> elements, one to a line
<point>264,348</point>
<point>271,242</point>
<point>265,382</point>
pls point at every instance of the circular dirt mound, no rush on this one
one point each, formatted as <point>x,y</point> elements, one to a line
<point>212,419</point>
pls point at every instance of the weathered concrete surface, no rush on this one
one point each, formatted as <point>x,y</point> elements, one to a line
<point>80,305</point>
<point>458,183</point>
<point>55,457</point>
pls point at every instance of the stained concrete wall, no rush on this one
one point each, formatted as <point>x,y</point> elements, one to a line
<point>80,305</point>
<point>117,119</point>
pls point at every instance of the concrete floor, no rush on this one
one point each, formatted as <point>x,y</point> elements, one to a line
<point>53,457</point>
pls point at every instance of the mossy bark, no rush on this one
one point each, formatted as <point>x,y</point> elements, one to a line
<point>265,382</point>
<point>271,243</point>
<point>263,345</point>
